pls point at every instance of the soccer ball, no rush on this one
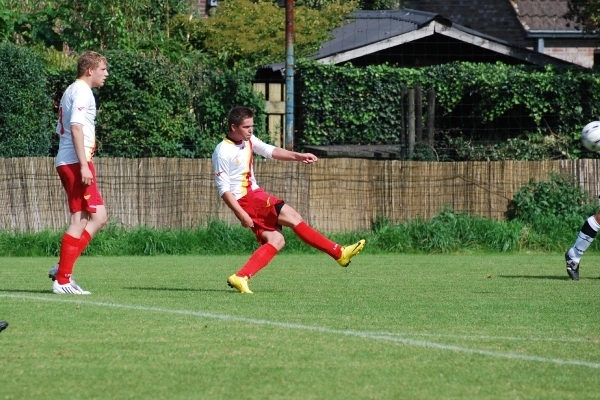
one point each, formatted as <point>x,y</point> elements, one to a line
<point>590,136</point>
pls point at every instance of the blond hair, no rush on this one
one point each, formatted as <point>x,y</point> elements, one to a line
<point>89,59</point>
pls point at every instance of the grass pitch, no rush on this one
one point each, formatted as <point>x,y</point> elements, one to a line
<point>387,327</point>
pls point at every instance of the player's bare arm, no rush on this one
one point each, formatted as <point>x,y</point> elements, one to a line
<point>239,212</point>
<point>86,174</point>
<point>286,155</point>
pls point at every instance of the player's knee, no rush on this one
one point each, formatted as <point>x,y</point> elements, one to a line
<point>103,220</point>
<point>277,241</point>
<point>100,218</point>
<point>78,222</point>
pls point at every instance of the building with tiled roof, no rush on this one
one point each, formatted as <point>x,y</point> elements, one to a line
<point>538,15</point>
<point>535,24</point>
<point>544,21</point>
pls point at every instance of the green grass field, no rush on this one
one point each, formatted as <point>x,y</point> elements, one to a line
<point>477,326</point>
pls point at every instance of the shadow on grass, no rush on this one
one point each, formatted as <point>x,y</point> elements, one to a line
<point>161,289</point>
<point>26,291</point>
<point>550,277</point>
<point>167,289</point>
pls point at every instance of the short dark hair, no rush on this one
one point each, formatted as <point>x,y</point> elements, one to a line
<point>238,114</point>
<point>89,59</point>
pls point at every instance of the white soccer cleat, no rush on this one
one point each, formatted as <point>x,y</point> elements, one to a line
<point>69,288</point>
<point>53,271</point>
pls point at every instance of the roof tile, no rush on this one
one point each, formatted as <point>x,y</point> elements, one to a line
<point>543,14</point>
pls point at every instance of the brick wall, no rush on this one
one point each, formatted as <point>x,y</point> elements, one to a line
<point>583,56</point>
<point>496,18</point>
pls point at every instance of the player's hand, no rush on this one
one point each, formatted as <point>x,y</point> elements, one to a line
<point>246,221</point>
<point>86,175</point>
<point>308,158</point>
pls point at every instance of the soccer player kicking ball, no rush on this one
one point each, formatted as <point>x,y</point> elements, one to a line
<point>76,130</point>
<point>264,213</point>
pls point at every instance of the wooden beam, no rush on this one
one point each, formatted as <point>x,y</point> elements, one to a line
<point>512,51</point>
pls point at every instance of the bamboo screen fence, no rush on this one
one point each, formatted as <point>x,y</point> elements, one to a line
<point>334,195</point>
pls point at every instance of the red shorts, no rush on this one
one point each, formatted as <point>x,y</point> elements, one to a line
<point>260,206</point>
<point>80,197</point>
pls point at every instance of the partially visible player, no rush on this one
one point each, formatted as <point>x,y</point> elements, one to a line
<point>586,236</point>
<point>262,212</point>
<point>76,129</point>
<point>3,325</point>
<point>590,135</point>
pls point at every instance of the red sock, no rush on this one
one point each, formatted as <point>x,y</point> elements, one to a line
<point>313,238</point>
<point>258,260</point>
<point>84,240</point>
<point>69,248</point>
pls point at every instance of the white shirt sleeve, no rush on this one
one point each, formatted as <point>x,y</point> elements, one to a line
<point>262,148</point>
<point>221,168</point>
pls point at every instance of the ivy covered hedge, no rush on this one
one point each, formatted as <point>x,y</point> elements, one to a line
<point>483,111</point>
<point>155,107</point>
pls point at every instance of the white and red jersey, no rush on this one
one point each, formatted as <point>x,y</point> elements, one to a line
<point>77,107</point>
<point>232,162</point>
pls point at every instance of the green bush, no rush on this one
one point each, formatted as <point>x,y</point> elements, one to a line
<point>218,90</point>
<point>153,107</point>
<point>558,198</point>
<point>144,109</point>
<point>26,120</point>
<point>483,111</point>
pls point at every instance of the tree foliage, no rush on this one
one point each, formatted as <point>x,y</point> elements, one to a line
<point>354,4</point>
<point>89,24</point>
<point>585,14</point>
<point>244,32</point>
<point>381,4</point>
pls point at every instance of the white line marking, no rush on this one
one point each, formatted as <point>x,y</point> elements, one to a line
<point>390,337</point>
<point>484,337</point>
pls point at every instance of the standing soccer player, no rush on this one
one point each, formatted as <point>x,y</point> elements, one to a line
<point>76,130</point>
<point>264,213</point>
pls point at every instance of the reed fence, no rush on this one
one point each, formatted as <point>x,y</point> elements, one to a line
<point>341,194</point>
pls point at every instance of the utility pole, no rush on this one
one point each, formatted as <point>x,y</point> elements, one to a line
<point>289,72</point>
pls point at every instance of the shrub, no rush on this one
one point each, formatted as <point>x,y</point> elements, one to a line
<point>144,109</point>
<point>153,107</point>
<point>558,198</point>
<point>25,105</point>
<point>218,90</point>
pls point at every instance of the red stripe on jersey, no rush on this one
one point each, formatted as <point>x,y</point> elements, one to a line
<point>249,174</point>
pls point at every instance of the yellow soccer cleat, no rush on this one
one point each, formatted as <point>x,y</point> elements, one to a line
<point>350,251</point>
<point>239,283</point>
